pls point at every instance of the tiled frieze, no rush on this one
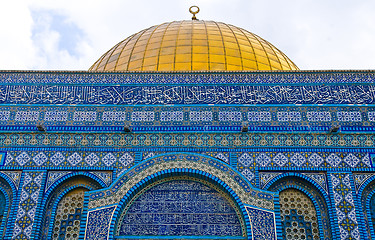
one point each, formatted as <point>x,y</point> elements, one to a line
<point>71,159</point>
<point>178,78</point>
<point>63,118</point>
<point>123,160</point>
<point>29,201</point>
<point>190,139</point>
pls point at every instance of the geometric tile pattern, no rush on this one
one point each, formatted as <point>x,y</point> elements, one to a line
<point>344,204</point>
<point>299,219</point>
<point>68,216</point>
<point>196,139</point>
<point>123,160</point>
<point>31,188</point>
<point>196,77</point>
<point>70,118</point>
<point>120,160</point>
<point>303,159</point>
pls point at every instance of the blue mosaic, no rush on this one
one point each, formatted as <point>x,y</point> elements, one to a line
<point>99,223</point>
<point>180,208</point>
<point>262,224</point>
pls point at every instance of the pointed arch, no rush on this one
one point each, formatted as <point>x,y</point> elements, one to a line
<point>58,191</point>
<point>306,187</point>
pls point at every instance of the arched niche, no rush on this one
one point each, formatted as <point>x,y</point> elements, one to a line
<point>303,209</point>
<point>105,207</point>
<point>63,206</point>
<point>181,207</point>
<point>8,193</point>
<point>366,193</point>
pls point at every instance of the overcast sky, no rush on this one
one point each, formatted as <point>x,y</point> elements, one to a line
<point>73,34</point>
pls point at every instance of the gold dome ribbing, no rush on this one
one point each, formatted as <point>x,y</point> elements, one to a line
<point>193,46</point>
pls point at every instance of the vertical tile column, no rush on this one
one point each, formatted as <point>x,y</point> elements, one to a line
<point>343,199</point>
<point>29,201</point>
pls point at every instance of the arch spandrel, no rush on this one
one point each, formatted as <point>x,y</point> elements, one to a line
<point>107,204</point>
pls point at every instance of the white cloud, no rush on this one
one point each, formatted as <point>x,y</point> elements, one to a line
<point>314,34</point>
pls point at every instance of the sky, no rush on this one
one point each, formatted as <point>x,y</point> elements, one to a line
<point>73,34</point>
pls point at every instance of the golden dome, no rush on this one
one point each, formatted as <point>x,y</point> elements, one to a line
<point>193,46</point>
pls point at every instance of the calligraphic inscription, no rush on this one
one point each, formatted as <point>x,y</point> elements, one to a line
<point>162,94</point>
<point>180,208</point>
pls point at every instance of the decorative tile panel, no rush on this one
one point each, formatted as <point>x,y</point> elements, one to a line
<point>4,115</point>
<point>250,159</point>
<point>27,116</point>
<point>263,225</point>
<point>99,220</point>
<point>204,116</point>
<point>143,116</point>
<point>349,116</point>
<point>345,207</point>
<point>319,116</point>
<point>266,177</point>
<point>319,178</point>
<point>82,159</point>
<point>29,200</point>
<point>114,116</point>
<point>230,116</point>
<point>56,116</point>
<point>81,116</point>
<point>259,116</point>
